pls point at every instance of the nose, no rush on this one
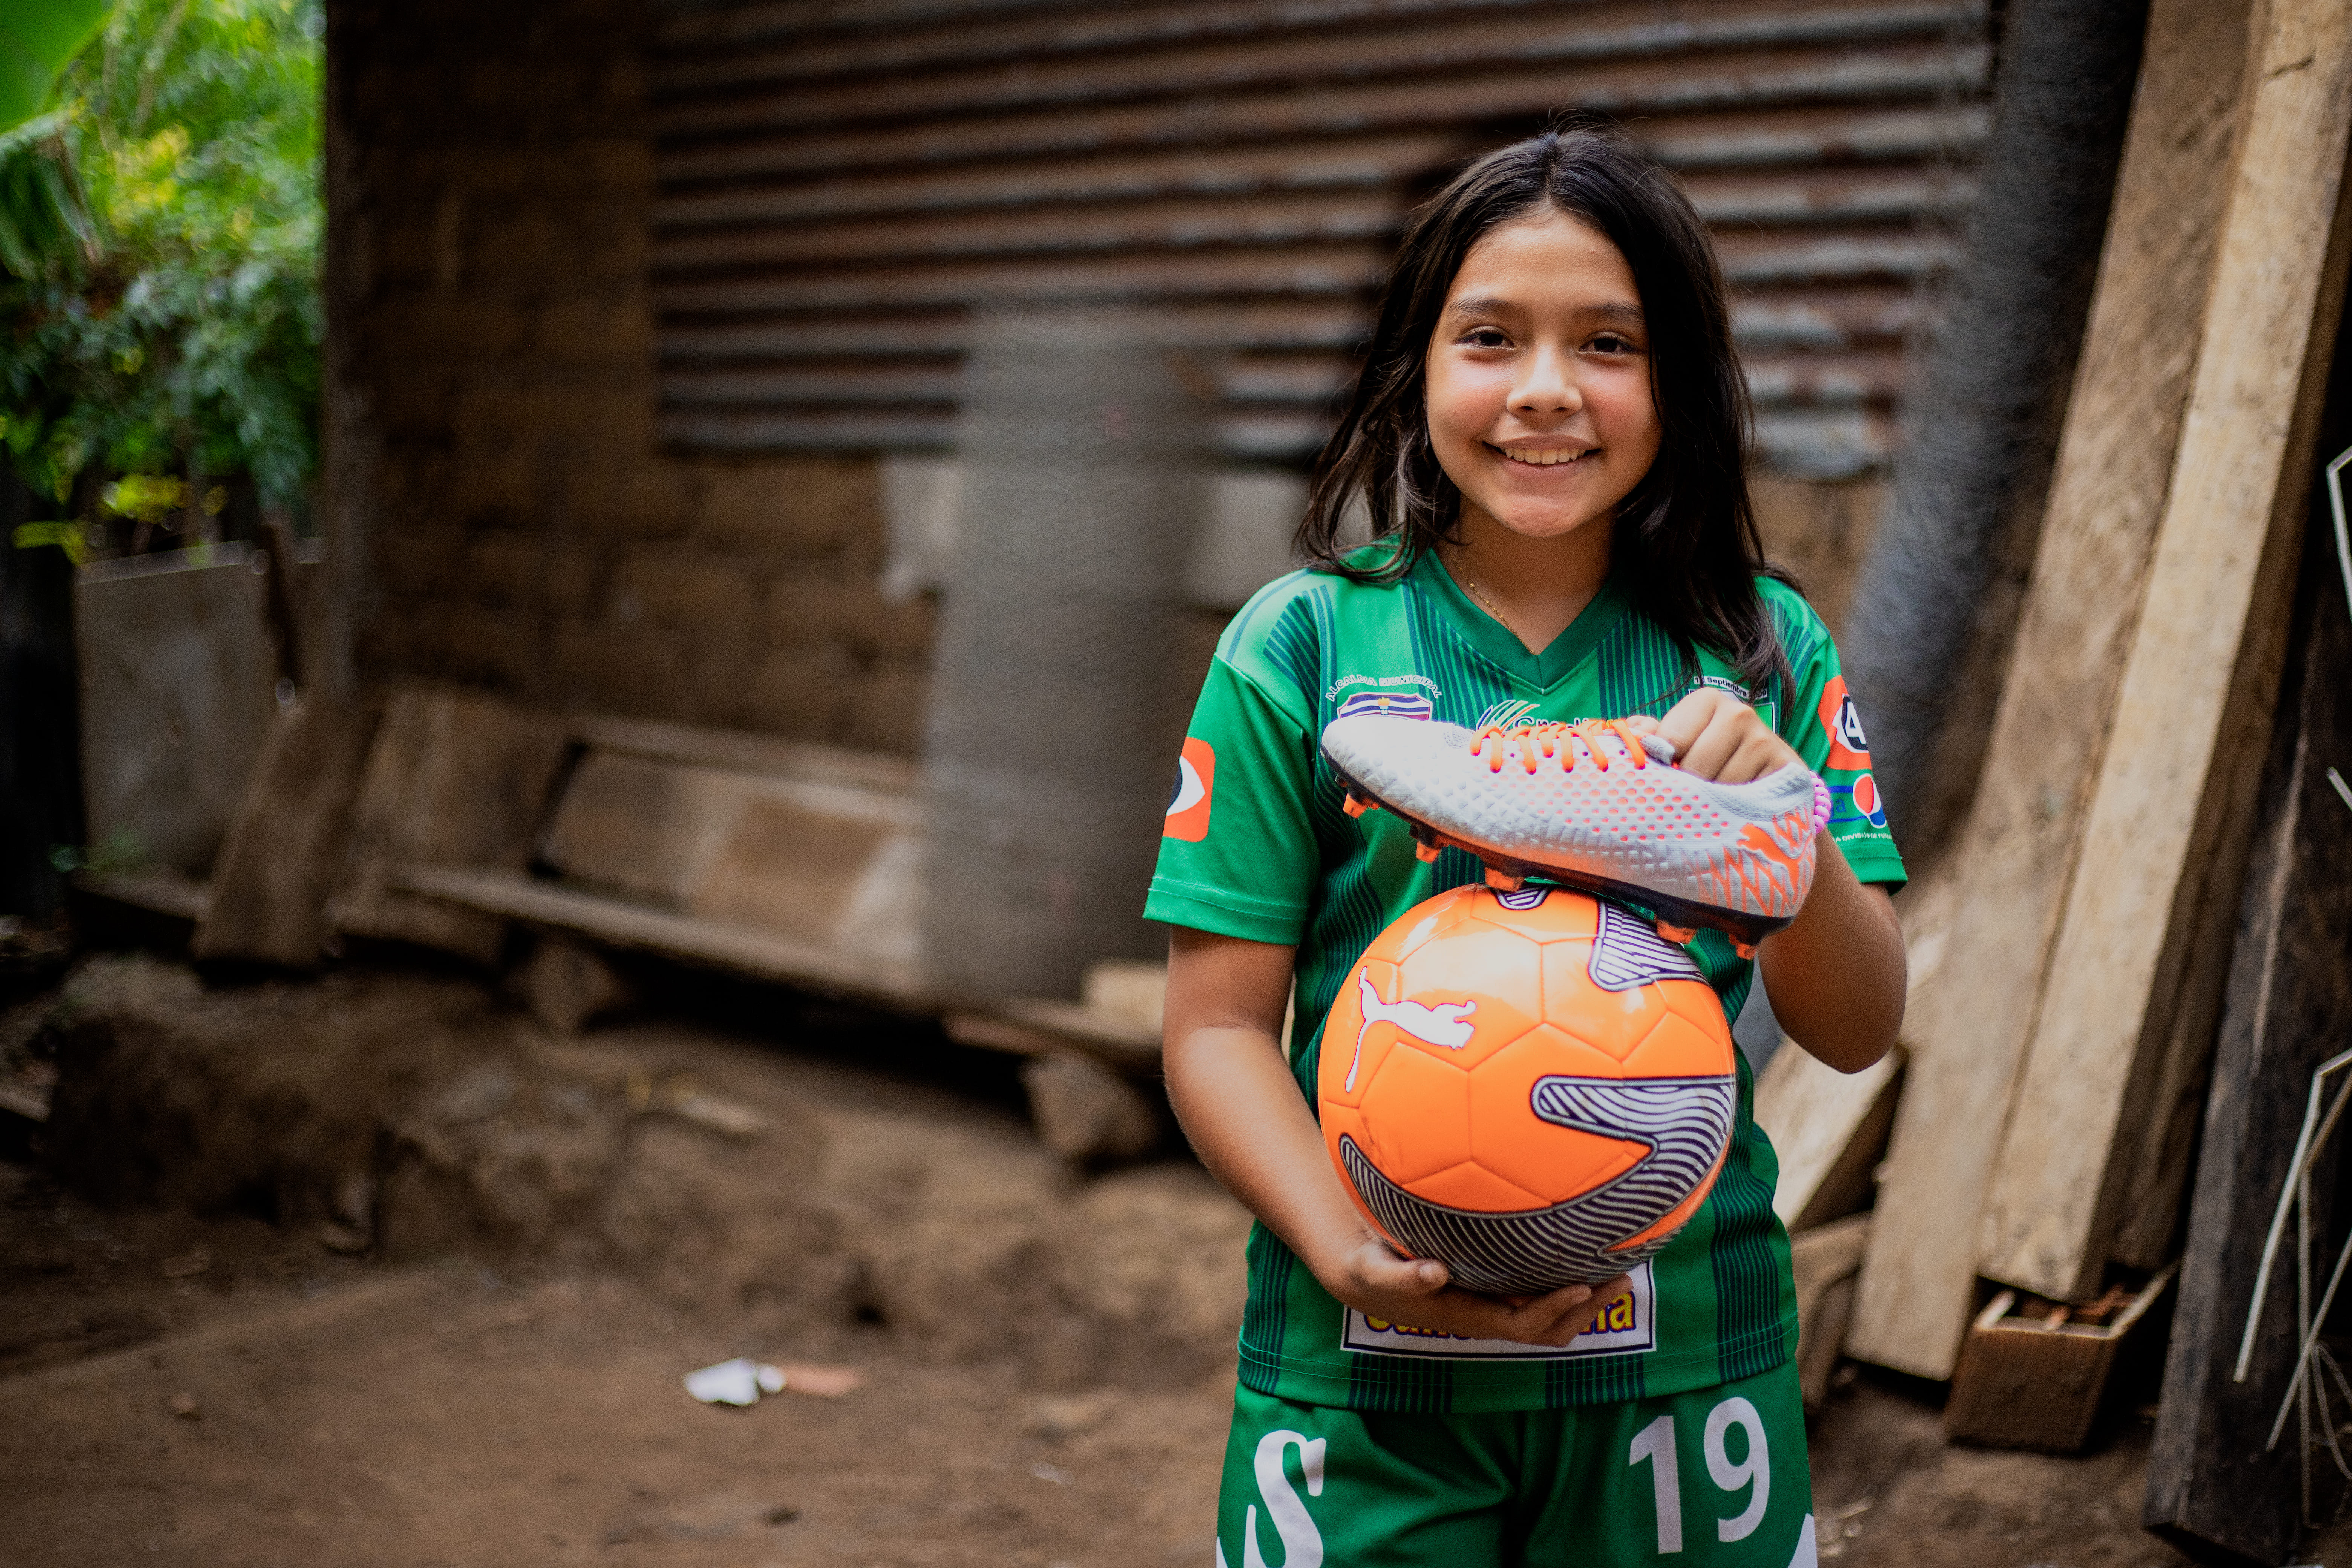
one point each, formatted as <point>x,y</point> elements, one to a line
<point>1547,384</point>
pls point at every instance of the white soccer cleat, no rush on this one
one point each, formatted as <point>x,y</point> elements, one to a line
<point>1593,805</point>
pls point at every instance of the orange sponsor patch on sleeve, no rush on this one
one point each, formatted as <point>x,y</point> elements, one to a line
<point>1196,781</point>
<point>1848,748</point>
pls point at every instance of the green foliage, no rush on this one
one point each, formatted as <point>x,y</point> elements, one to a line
<point>169,323</point>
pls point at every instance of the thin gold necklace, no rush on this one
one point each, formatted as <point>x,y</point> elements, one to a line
<point>1462,575</point>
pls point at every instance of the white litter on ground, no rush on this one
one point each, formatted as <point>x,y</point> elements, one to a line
<point>738,1382</point>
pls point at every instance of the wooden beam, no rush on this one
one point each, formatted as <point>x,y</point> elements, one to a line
<point>2093,1163</point>
<point>2107,489</point>
<point>2289,1009</point>
<point>1828,1129</point>
<point>503,894</point>
<point>454,778</point>
<point>286,846</point>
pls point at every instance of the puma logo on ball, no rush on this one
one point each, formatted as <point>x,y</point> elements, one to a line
<point>1447,1024</point>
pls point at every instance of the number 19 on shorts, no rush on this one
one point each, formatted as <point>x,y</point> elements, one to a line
<point>1743,1478</point>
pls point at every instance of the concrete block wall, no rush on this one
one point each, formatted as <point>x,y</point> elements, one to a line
<point>493,484</point>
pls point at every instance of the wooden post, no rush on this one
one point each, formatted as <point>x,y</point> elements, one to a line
<point>2095,1154</point>
<point>2115,458</point>
<point>2289,1009</point>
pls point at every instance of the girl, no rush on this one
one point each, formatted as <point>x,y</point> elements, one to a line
<point>1552,422</point>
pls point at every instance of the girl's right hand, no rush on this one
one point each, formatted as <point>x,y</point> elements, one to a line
<point>1378,1282</point>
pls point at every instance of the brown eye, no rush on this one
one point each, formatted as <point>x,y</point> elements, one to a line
<point>1487,338</point>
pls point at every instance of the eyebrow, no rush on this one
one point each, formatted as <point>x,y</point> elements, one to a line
<point>1615,312</point>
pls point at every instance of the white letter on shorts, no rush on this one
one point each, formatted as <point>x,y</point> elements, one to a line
<point>1302,1544</point>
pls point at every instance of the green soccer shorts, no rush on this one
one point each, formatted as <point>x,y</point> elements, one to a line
<point>1710,1479</point>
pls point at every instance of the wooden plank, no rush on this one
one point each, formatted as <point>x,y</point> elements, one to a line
<point>454,778</point>
<point>1828,1129</point>
<point>1030,1037</point>
<point>747,753</point>
<point>2092,1164</point>
<point>2010,862</point>
<point>511,895</point>
<point>1824,1261</point>
<point>287,845</point>
<point>2027,1383</point>
<point>815,859</point>
<point>2289,1007</point>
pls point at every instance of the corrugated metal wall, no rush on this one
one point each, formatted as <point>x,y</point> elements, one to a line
<point>843,181</point>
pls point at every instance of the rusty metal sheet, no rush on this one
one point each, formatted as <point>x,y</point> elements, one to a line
<point>1585,35</point>
<point>837,43</point>
<point>1776,79</point>
<point>1805,196</point>
<point>842,183</point>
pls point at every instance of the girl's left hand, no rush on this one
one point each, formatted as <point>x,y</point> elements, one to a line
<point>1718,737</point>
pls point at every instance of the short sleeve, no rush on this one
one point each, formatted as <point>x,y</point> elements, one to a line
<point>1821,723</point>
<point>1238,856</point>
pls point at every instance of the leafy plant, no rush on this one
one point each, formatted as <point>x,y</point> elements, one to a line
<point>161,230</point>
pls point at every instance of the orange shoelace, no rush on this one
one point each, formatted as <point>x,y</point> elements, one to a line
<point>1552,740</point>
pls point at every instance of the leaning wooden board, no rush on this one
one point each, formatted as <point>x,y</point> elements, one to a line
<point>2091,1166</point>
<point>2289,1009</point>
<point>2015,851</point>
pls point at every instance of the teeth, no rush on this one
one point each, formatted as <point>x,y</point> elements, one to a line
<point>1544,459</point>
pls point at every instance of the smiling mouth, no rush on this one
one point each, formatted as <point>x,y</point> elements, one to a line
<point>1543,457</point>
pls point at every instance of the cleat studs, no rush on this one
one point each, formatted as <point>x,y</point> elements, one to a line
<point>1744,949</point>
<point>1424,850</point>
<point>1503,882</point>
<point>1356,805</point>
<point>1678,935</point>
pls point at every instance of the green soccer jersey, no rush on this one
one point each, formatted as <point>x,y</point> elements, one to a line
<point>1258,846</point>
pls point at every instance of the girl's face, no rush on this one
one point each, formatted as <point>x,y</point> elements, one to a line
<point>1538,381</point>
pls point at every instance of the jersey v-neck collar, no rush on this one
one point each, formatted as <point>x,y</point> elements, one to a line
<point>1500,647</point>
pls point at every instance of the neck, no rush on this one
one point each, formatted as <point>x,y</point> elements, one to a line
<point>1539,586</point>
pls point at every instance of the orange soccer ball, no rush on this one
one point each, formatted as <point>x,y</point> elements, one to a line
<point>1532,1088</point>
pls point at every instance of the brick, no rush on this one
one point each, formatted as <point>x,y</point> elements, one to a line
<point>676,588</point>
<point>886,712</point>
<point>626,499</point>
<point>883,632</point>
<point>487,646</point>
<point>636,672</point>
<point>791,507</point>
<point>573,331</point>
<point>607,424</point>
<point>799,693</point>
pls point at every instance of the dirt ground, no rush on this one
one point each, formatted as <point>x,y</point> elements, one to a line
<point>233,1360</point>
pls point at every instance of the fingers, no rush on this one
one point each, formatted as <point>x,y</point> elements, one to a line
<point>1383,1270</point>
<point>1687,719</point>
<point>1571,1312</point>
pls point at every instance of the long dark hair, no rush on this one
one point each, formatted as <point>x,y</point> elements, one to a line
<point>1685,546</point>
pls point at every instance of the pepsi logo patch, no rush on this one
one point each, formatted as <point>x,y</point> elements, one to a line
<point>1848,747</point>
<point>1868,804</point>
<point>1396,704</point>
<point>1196,782</point>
